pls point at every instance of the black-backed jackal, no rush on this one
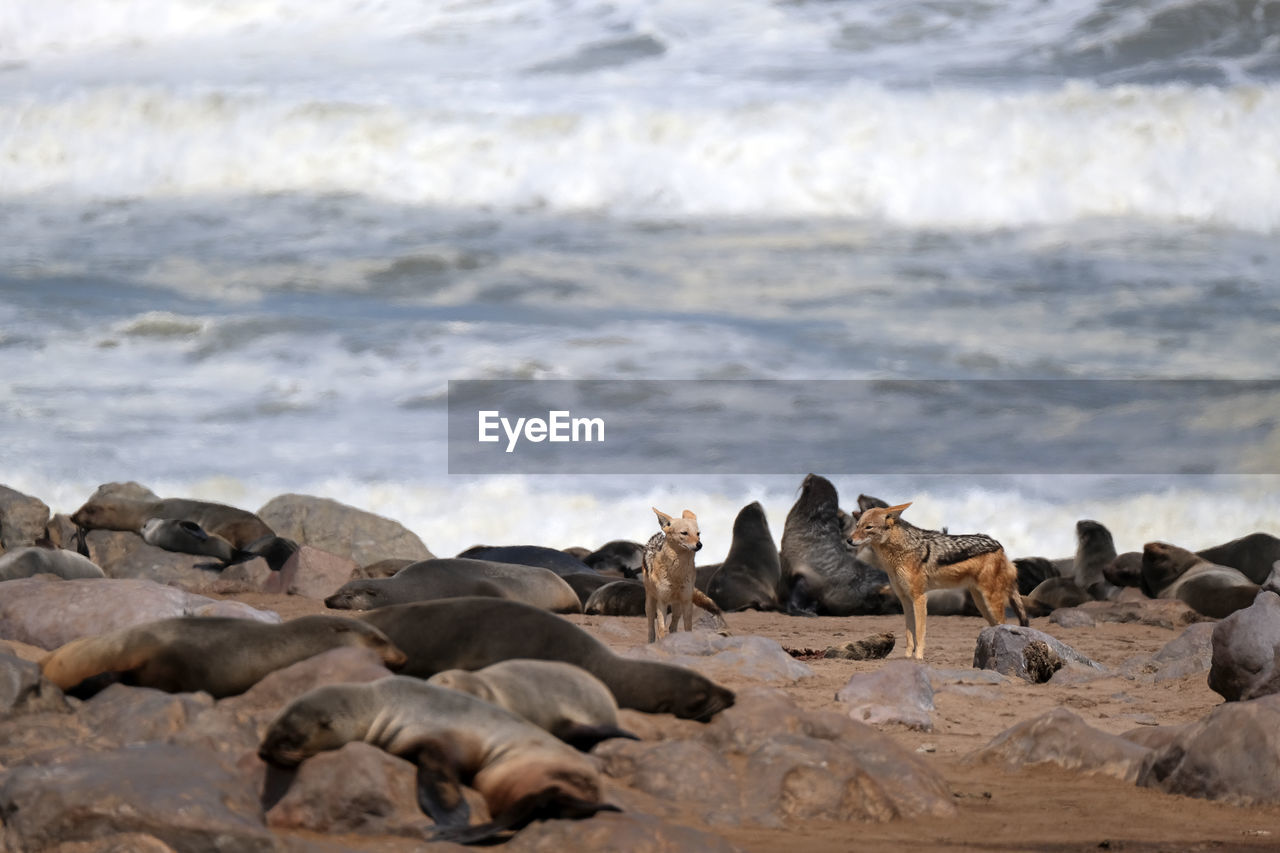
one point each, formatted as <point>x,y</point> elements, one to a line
<point>919,560</point>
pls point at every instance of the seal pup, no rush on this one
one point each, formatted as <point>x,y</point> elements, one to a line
<point>220,655</point>
<point>523,773</point>
<point>820,573</point>
<point>748,578</point>
<point>669,573</point>
<point>38,560</point>
<point>561,698</point>
<point>918,560</point>
<point>527,555</point>
<point>496,630</point>
<point>428,580</point>
<point>1211,590</point>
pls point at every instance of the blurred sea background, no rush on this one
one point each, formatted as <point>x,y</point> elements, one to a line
<point>245,244</point>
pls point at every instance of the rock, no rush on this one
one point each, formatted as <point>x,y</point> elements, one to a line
<point>22,519</point>
<point>131,715</point>
<point>722,658</point>
<point>61,532</point>
<point>1062,738</point>
<point>123,555</point>
<point>1190,653</point>
<point>800,765</point>
<point>899,692</point>
<point>1245,646</point>
<point>1072,617</point>
<point>51,613</point>
<point>1232,755</point>
<point>124,842</point>
<point>1155,737</point>
<point>1161,613</point>
<point>23,690</point>
<point>343,530</point>
<point>1009,649</point>
<point>311,573</point>
<point>611,832</point>
<point>356,789</point>
<point>32,739</point>
<point>184,797</point>
<point>874,647</point>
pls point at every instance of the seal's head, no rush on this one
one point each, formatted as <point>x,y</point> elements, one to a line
<point>356,595</point>
<point>322,719</point>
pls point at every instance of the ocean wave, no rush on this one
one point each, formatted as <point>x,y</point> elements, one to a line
<point>946,159</point>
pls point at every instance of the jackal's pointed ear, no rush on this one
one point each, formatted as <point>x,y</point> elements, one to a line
<point>664,520</point>
<point>689,515</point>
<point>893,513</point>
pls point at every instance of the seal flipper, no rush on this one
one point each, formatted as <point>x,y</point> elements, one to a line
<point>439,790</point>
<point>544,805</point>
<point>800,602</point>
<point>583,737</point>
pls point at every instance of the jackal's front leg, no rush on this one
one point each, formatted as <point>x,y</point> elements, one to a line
<point>920,609</point>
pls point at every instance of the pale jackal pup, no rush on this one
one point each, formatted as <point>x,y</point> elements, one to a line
<point>668,575</point>
<point>918,560</point>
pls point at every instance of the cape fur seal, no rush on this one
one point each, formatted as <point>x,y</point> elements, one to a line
<point>561,698</point>
<point>748,578</point>
<point>219,655</point>
<point>819,573</point>
<point>187,537</point>
<point>247,534</point>
<point>1212,590</point>
<point>472,633</point>
<point>523,773</point>
<point>620,558</point>
<point>429,580</point>
<point>36,560</point>
<point>585,583</point>
<point>617,598</point>
<point>1252,555</point>
<point>528,555</point>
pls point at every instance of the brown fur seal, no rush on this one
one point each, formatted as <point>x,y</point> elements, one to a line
<point>219,655</point>
<point>247,534</point>
<point>430,580</point>
<point>471,633</point>
<point>527,555</point>
<point>1252,555</point>
<point>820,574</point>
<point>620,558</point>
<point>523,773</point>
<point>35,560</point>
<point>561,698</point>
<point>1212,590</point>
<point>748,578</point>
<point>186,537</point>
<point>1095,550</point>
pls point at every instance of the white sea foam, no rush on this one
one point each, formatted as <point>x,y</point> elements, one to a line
<point>956,159</point>
<point>453,514</point>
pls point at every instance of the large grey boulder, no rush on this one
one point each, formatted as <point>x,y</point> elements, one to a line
<point>184,797</point>
<point>898,692</point>
<point>22,519</point>
<point>340,529</point>
<point>1025,652</point>
<point>1061,738</point>
<point>1245,649</point>
<point>51,613</point>
<point>1233,755</point>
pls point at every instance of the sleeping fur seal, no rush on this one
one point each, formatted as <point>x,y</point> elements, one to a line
<point>528,555</point>
<point>748,578</point>
<point>819,573</point>
<point>36,560</point>
<point>561,698</point>
<point>219,655</point>
<point>432,635</point>
<point>429,580</point>
<point>247,534</point>
<point>187,537</point>
<point>619,558</point>
<point>523,773</point>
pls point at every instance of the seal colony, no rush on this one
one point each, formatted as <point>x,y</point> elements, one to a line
<point>497,693</point>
